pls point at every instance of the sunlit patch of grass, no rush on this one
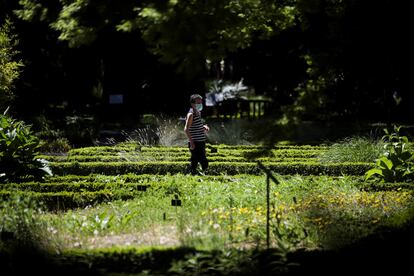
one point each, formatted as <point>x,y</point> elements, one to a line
<point>230,212</point>
<point>339,217</point>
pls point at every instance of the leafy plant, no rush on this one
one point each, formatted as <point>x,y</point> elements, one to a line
<point>10,67</point>
<point>90,224</point>
<point>397,162</point>
<point>19,217</point>
<point>18,151</point>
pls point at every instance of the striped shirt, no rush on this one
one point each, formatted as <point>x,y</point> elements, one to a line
<point>197,129</point>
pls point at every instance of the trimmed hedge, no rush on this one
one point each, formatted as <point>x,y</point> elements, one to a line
<point>114,168</point>
<point>139,179</point>
<point>177,158</point>
<point>125,261</point>
<point>216,168</point>
<point>70,200</point>
<point>72,187</point>
<point>376,186</point>
<point>130,158</point>
<point>226,150</point>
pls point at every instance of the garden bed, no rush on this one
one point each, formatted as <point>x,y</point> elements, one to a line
<point>127,217</point>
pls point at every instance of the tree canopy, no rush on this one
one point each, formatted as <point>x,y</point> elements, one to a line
<point>9,65</point>
<point>318,59</point>
<point>182,32</point>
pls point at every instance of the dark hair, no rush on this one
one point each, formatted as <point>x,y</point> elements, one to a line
<point>194,97</point>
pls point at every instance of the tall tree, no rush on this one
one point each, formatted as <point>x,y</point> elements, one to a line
<point>357,54</point>
<point>182,32</point>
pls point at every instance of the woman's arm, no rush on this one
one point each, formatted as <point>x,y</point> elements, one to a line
<point>188,123</point>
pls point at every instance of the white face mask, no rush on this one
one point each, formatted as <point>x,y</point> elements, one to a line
<point>199,107</point>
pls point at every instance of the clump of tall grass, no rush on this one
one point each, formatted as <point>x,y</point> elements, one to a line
<point>162,132</point>
<point>170,132</point>
<point>353,149</point>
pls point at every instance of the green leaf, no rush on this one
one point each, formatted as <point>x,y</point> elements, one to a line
<point>385,163</point>
<point>369,174</point>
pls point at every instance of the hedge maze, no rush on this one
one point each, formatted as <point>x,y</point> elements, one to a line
<point>224,207</point>
<point>90,175</point>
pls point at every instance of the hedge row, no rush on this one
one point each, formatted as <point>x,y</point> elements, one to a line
<point>227,155</point>
<point>56,187</point>
<point>141,179</point>
<point>376,186</point>
<point>155,260</point>
<point>225,150</point>
<point>240,147</point>
<point>163,154</point>
<point>217,168</point>
<point>180,158</point>
<point>70,200</point>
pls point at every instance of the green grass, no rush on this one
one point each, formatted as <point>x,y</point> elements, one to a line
<point>219,213</point>
<point>230,212</point>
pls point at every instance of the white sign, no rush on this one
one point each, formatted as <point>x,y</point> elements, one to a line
<point>116,99</point>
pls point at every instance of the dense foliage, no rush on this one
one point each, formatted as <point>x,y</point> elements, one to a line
<point>9,66</point>
<point>397,161</point>
<point>318,60</point>
<point>18,151</point>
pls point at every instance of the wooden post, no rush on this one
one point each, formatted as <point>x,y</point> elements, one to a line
<point>254,109</point>
<point>269,176</point>
<point>268,212</point>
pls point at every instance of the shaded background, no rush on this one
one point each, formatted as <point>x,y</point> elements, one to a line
<point>321,61</point>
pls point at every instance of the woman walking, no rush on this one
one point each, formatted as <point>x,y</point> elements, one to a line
<point>196,134</point>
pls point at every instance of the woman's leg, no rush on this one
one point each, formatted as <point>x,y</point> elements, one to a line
<point>193,160</point>
<point>201,155</point>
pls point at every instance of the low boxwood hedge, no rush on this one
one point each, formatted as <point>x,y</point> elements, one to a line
<point>215,168</point>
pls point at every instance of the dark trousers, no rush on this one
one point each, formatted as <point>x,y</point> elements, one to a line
<point>198,155</point>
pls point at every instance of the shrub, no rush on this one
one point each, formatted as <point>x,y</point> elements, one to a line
<point>57,145</point>
<point>18,151</point>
